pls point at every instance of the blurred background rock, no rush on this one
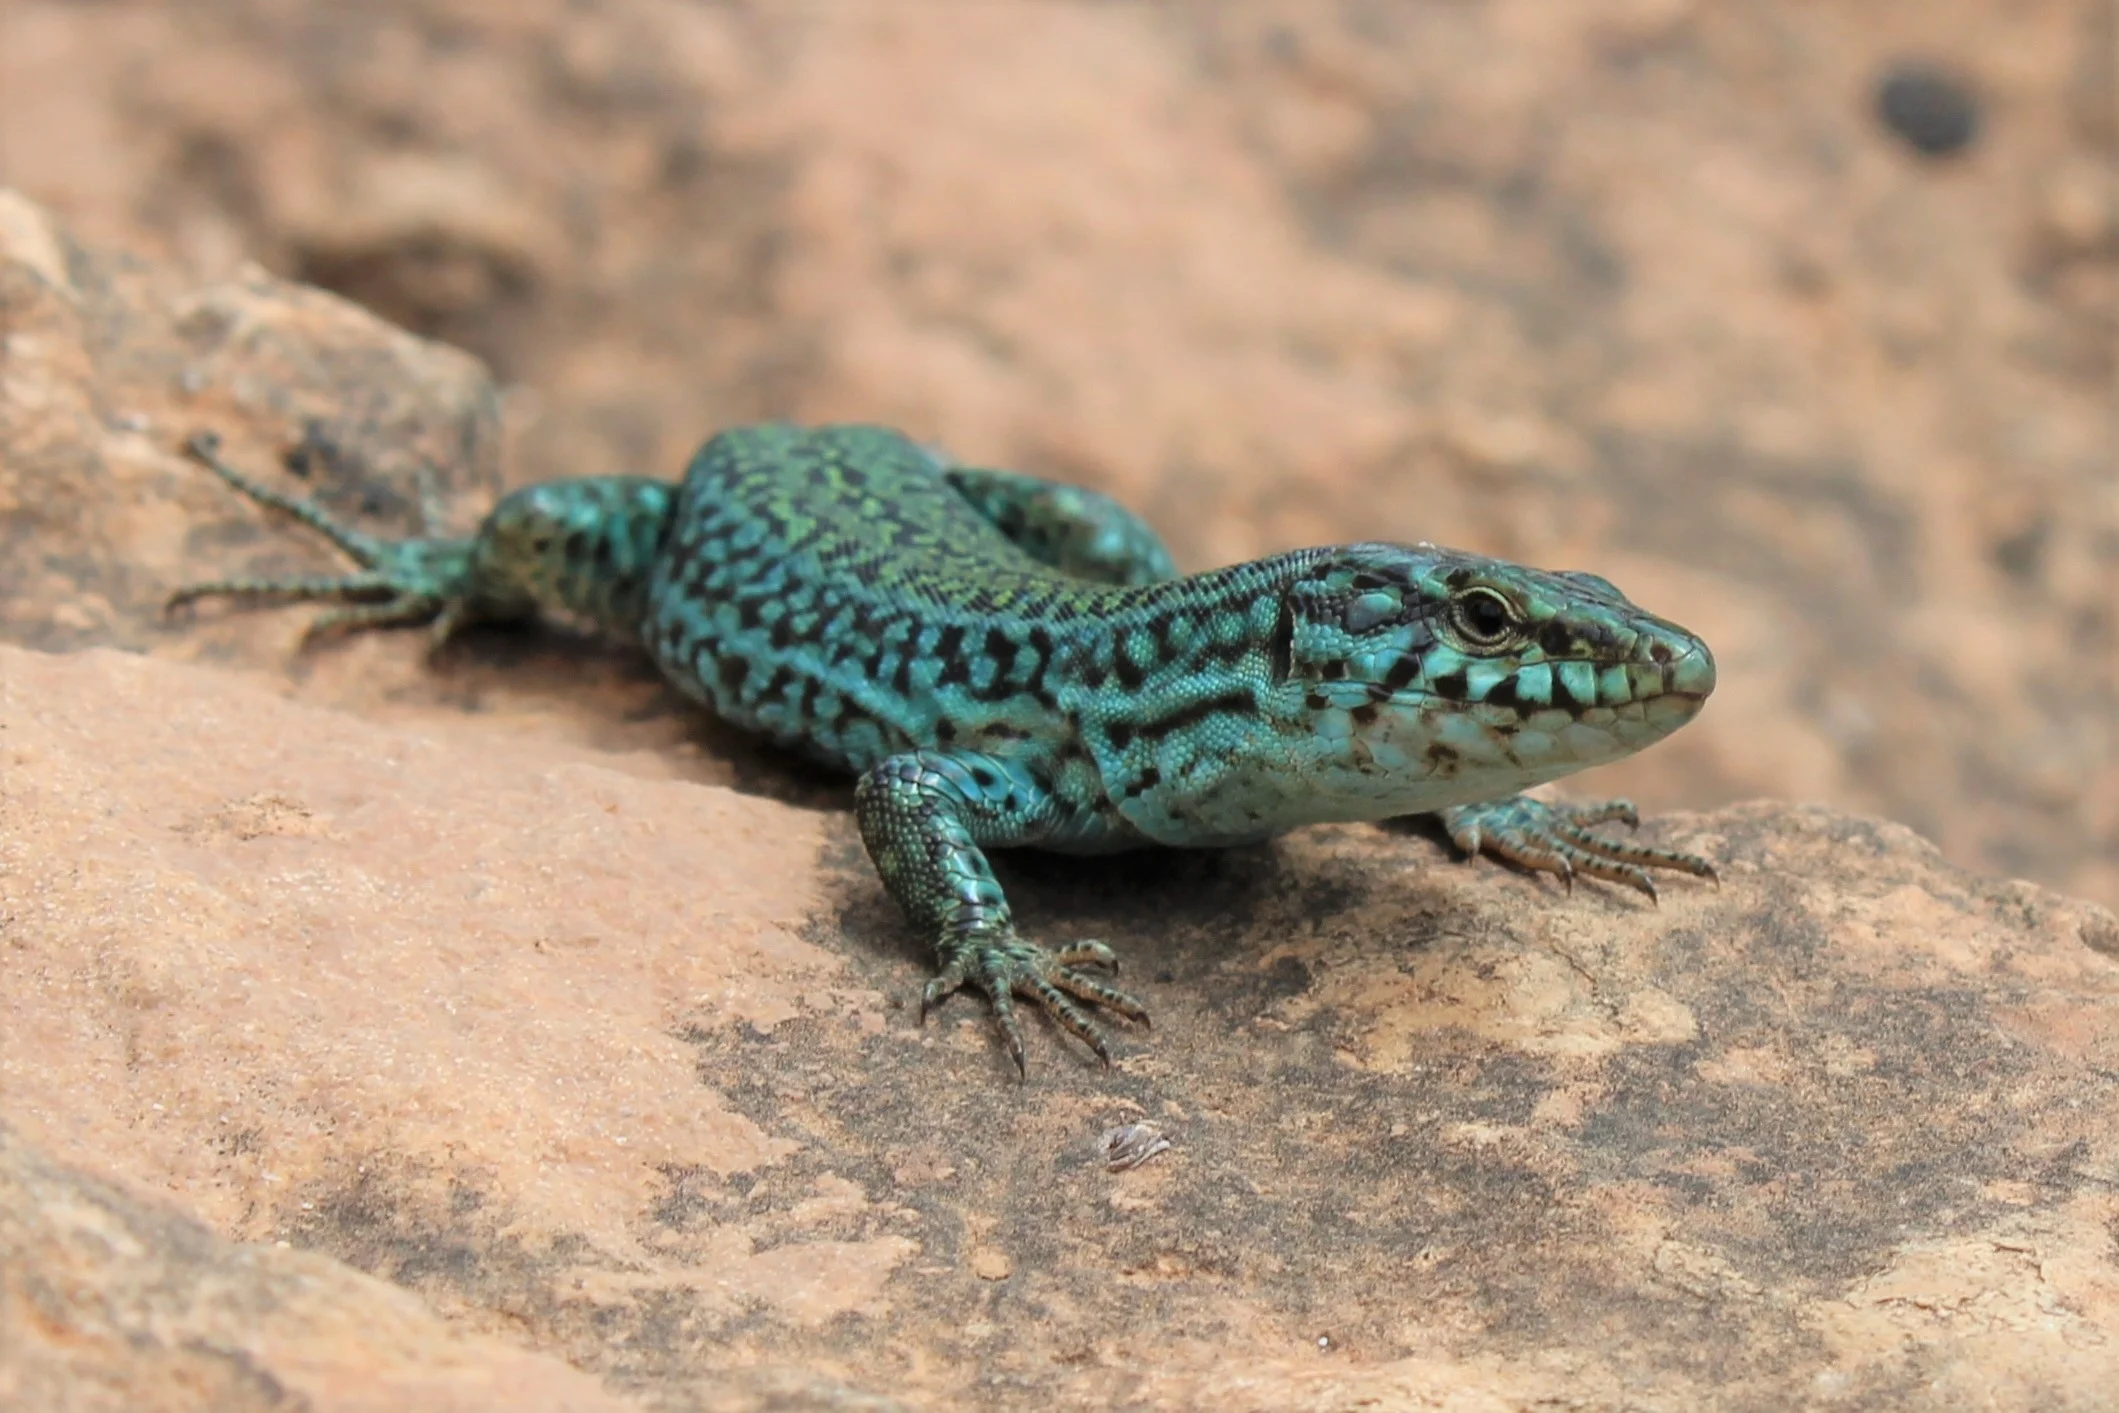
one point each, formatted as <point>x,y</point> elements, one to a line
<point>1796,321</point>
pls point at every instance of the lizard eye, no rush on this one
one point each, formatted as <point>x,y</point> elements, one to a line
<point>1483,617</point>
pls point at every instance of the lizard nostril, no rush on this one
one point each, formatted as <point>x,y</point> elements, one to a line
<point>1660,652</point>
<point>1694,673</point>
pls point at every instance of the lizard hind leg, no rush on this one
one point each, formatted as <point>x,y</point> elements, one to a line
<point>399,581</point>
<point>1069,528</point>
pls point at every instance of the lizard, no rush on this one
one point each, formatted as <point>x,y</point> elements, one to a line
<point>1001,660</point>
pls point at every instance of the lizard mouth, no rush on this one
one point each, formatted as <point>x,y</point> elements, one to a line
<point>1582,687</point>
<point>1663,681</point>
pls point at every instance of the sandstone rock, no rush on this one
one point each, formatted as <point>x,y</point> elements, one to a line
<point>108,1302</point>
<point>109,358</point>
<point>113,361</point>
<point>506,980</point>
<point>1638,286</point>
<point>624,1069</point>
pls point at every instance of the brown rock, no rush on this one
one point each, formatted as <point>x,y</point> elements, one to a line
<point>623,1068</point>
<point>1633,285</point>
<point>504,980</point>
<point>111,1303</point>
<point>112,362</point>
<point>109,359</point>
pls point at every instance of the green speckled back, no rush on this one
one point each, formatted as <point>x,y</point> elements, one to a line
<point>833,590</point>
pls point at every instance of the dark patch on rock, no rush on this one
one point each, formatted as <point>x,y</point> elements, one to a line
<point>1931,109</point>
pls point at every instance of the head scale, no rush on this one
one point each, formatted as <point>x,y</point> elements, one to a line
<point>1431,664</point>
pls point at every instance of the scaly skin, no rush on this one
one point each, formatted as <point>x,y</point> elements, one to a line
<point>1005,661</point>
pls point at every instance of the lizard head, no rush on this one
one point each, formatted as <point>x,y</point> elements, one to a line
<point>1430,664</point>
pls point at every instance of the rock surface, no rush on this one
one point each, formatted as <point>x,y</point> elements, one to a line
<point>507,980</point>
<point>111,1303</point>
<point>623,1069</point>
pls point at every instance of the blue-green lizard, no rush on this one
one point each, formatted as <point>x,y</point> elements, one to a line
<point>1006,661</point>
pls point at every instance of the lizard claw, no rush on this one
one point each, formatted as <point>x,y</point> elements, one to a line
<point>1552,837</point>
<point>1004,966</point>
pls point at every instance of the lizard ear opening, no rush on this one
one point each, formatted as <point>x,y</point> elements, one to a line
<point>1280,651</point>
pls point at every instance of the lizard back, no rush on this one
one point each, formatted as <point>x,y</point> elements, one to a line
<point>830,589</point>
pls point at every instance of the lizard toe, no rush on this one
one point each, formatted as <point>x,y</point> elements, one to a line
<point>1086,953</point>
<point>1007,967</point>
<point>1557,838</point>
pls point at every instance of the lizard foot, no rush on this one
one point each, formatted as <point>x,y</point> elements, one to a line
<point>400,581</point>
<point>1556,838</point>
<point>1005,966</point>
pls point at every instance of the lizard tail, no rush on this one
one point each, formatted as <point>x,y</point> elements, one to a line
<point>580,549</point>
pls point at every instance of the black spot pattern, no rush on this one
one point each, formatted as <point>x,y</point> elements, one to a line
<point>838,568</point>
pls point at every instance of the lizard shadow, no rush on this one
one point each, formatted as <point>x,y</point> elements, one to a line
<point>1172,915</point>
<point>619,701</point>
<point>1213,921</point>
<point>1218,892</point>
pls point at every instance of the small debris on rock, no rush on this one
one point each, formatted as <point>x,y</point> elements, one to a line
<point>1932,109</point>
<point>1129,1145</point>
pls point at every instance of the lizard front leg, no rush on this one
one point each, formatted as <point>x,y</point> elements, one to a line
<point>1554,837</point>
<point>924,816</point>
